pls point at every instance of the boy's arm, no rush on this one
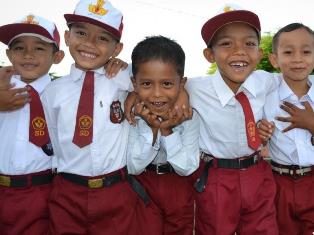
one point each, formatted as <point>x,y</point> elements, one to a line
<point>140,151</point>
<point>182,146</point>
<point>299,118</point>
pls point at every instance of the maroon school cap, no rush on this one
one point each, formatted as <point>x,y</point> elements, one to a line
<point>30,25</point>
<point>229,14</point>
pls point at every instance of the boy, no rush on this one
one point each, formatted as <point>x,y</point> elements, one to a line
<point>236,187</point>
<point>162,149</point>
<point>84,114</point>
<point>25,151</point>
<point>291,145</point>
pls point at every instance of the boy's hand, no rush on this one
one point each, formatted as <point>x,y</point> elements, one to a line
<point>11,99</point>
<point>265,130</point>
<point>129,103</point>
<point>299,118</point>
<point>183,104</point>
<point>151,119</point>
<point>113,66</point>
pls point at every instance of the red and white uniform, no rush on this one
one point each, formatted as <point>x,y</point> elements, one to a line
<point>234,200</point>
<point>23,209</point>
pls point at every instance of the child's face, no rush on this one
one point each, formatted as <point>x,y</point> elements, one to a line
<point>32,58</point>
<point>157,84</point>
<point>295,55</point>
<point>91,46</point>
<point>235,49</point>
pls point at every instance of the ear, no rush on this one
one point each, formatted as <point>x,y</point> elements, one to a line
<point>118,49</point>
<point>58,56</point>
<point>273,60</point>
<point>134,83</point>
<point>182,83</point>
<point>209,55</point>
<point>67,37</point>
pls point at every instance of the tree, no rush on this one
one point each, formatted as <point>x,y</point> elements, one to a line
<point>266,45</point>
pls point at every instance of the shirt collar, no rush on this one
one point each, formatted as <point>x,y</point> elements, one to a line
<point>77,74</point>
<point>285,91</point>
<point>39,84</point>
<point>225,94</point>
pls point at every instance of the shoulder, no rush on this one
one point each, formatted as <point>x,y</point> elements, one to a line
<point>123,80</point>
<point>198,82</point>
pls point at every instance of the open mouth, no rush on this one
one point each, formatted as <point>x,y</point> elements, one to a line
<point>239,64</point>
<point>88,55</point>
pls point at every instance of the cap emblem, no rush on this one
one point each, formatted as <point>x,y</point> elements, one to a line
<point>228,8</point>
<point>30,20</point>
<point>98,8</point>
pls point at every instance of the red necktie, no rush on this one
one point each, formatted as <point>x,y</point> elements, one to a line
<point>83,134</point>
<point>38,132</point>
<point>253,138</point>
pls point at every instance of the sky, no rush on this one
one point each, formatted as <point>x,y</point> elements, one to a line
<point>180,20</point>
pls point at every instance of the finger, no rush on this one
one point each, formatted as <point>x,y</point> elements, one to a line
<point>290,105</point>
<point>307,106</point>
<point>288,128</point>
<point>20,92</point>
<point>286,108</point>
<point>283,119</point>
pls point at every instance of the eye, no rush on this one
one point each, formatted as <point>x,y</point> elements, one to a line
<point>287,52</point>
<point>224,43</point>
<point>80,33</point>
<point>168,84</point>
<point>251,44</point>
<point>39,48</point>
<point>17,48</point>
<point>307,52</point>
<point>103,39</point>
<point>146,84</point>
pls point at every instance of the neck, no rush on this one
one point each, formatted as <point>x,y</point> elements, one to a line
<point>299,88</point>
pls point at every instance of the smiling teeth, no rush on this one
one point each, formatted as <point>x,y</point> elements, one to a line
<point>239,64</point>
<point>92,56</point>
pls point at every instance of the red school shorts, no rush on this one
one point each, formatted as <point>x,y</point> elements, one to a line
<point>237,200</point>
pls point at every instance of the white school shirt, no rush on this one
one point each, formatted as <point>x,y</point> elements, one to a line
<point>18,156</point>
<point>180,149</point>
<point>293,147</point>
<point>222,128</point>
<point>107,152</point>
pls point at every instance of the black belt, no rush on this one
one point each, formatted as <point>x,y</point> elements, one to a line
<point>210,160</point>
<point>237,163</point>
<point>293,171</point>
<point>107,181</point>
<point>25,180</point>
<point>104,181</point>
<point>160,169</point>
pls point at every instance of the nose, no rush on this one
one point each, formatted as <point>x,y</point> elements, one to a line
<point>297,57</point>
<point>239,48</point>
<point>156,91</point>
<point>28,53</point>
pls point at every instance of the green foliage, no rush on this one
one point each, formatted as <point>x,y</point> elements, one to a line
<point>266,45</point>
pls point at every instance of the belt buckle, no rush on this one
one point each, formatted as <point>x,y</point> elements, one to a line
<point>157,169</point>
<point>96,183</point>
<point>5,181</point>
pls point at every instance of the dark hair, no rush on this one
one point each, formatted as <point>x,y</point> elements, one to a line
<point>158,48</point>
<point>286,29</point>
